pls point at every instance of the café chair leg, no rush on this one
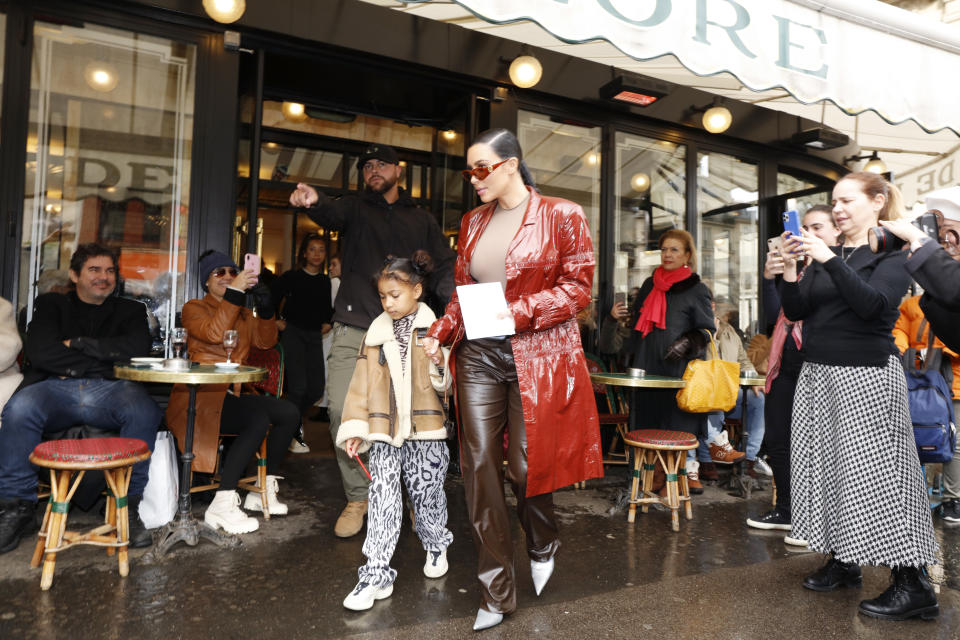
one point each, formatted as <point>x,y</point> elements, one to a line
<point>685,486</point>
<point>262,477</point>
<point>42,536</point>
<point>60,494</point>
<point>649,464</point>
<point>119,481</point>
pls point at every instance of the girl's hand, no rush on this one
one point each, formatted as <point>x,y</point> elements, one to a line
<point>432,348</point>
<point>351,445</point>
<point>791,249</point>
<point>816,248</point>
<point>773,267</point>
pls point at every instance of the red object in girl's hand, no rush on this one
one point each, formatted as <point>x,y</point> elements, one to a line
<point>357,457</point>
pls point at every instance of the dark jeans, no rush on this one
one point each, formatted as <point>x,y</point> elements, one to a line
<point>249,417</point>
<point>778,414</point>
<point>489,397</point>
<point>56,404</point>
<point>303,364</point>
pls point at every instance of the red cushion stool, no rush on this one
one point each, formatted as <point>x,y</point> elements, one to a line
<point>669,448</point>
<point>115,457</point>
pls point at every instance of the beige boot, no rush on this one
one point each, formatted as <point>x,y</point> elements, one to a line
<point>351,520</point>
<point>253,501</point>
<point>225,512</point>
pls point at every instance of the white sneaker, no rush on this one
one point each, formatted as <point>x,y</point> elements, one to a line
<point>540,572</point>
<point>253,501</point>
<point>760,466</point>
<point>224,512</point>
<point>298,447</point>
<point>363,596</point>
<point>436,564</point>
<point>794,542</point>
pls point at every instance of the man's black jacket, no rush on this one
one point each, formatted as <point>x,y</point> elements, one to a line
<point>371,229</point>
<point>939,275</point>
<point>99,336</point>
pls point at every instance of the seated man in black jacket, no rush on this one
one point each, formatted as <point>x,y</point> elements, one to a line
<point>72,343</point>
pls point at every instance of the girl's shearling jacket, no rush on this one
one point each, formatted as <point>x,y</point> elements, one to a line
<point>386,403</point>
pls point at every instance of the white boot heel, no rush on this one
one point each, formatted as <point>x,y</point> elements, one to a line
<point>224,512</point>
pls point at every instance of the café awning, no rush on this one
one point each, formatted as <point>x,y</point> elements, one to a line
<point>885,76</point>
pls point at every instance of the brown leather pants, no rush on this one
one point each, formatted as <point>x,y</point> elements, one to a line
<point>489,401</point>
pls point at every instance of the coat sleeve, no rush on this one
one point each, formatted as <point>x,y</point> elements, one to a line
<point>264,333</point>
<point>571,292</point>
<point>44,348</point>
<point>202,326</point>
<point>700,311</point>
<point>355,422</point>
<point>938,273</point>
<point>10,344</point>
<point>796,298</point>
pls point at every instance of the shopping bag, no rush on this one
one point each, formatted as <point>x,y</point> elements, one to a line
<point>159,503</point>
<point>711,385</point>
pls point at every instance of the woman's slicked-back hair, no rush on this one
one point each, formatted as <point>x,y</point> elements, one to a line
<point>505,144</point>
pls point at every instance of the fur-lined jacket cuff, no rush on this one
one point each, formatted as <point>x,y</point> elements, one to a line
<point>354,429</point>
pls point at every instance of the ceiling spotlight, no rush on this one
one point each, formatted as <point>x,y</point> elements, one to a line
<point>449,135</point>
<point>525,71</point>
<point>294,111</point>
<point>100,76</point>
<point>640,182</point>
<point>717,119</point>
<point>225,11</point>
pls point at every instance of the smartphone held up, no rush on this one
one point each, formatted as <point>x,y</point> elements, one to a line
<point>251,262</point>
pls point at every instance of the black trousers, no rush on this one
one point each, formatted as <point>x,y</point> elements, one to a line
<point>249,417</point>
<point>778,414</point>
<point>304,364</point>
<point>489,397</point>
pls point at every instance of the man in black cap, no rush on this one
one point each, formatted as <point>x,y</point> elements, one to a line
<point>381,221</point>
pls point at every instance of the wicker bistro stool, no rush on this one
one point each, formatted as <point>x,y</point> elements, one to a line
<point>115,457</point>
<point>669,448</point>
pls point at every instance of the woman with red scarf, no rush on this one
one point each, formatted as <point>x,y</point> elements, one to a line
<point>671,310</point>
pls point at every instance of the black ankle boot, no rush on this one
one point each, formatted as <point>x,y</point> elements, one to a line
<point>833,575</point>
<point>140,536</point>
<point>909,595</point>
<point>17,519</point>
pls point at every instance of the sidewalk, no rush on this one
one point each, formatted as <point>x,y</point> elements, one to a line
<point>714,579</point>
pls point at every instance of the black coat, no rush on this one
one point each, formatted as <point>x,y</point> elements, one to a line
<point>99,336</point>
<point>939,275</point>
<point>688,309</point>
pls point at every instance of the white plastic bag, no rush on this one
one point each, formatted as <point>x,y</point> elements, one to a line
<point>159,503</point>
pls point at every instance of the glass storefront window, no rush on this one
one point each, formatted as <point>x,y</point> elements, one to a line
<point>794,187</point>
<point>108,160</point>
<point>565,162</point>
<point>650,199</point>
<point>727,190</point>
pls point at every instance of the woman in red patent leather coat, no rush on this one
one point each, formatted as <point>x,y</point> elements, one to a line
<point>533,385</point>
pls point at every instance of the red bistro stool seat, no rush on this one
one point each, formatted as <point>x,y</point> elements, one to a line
<point>669,449</point>
<point>115,457</point>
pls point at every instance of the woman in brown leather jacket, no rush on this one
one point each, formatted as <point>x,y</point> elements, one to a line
<point>221,407</point>
<point>532,387</point>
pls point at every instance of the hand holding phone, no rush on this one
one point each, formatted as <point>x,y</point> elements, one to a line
<point>251,262</point>
<point>774,244</point>
<point>791,223</point>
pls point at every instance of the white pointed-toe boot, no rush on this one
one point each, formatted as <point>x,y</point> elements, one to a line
<point>486,619</point>
<point>253,501</point>
<point>541,572</point>
<point>224,512</point>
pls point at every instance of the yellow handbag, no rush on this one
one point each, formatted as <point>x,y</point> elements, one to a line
<point>711,384</point>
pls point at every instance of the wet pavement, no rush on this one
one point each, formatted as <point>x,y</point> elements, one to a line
<point>715,578</point>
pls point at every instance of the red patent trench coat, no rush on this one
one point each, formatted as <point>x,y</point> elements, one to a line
<point>549,269</point>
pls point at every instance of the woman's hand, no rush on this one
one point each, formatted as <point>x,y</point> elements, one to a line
<point>326,328</point>
<point>350,445</point>
<point>619,311</point>
<point>773,266</point>
<point>903,229</point>
<point>281,325</point>
<point>244,280</point>
<point>432,348</point>
<point>816,248</point>
<point>791,250</point>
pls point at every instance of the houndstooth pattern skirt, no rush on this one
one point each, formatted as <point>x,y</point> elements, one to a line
<point>858,489</point>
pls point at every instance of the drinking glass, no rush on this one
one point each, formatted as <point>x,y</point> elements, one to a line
<point>179,341</point>
<point>229,341</point>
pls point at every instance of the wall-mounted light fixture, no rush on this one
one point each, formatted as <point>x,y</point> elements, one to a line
<point>100,76</point>
<point>717,119</point>
<point>449,135</point>
<point>640,182</point>
<point>294,111</point>
<point>225,11</point>
<point>525,71</point>
<point>874,163</point>
<point>641,92</point>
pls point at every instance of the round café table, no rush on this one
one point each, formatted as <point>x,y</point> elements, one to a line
<point>184,527</point>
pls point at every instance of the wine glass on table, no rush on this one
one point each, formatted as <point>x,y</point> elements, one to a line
<point>179,341</point>
<point>229,342</point>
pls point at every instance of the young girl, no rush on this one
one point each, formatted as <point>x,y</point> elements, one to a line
<point>394,409</point>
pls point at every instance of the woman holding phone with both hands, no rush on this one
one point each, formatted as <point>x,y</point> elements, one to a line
<point>858,490</point>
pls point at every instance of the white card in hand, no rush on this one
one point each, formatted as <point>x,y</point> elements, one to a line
<point>480,304</point>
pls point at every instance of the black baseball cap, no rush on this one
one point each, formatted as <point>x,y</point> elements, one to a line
<point>378,152</point>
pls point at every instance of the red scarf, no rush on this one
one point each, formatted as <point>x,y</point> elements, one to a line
<point>654,311</point>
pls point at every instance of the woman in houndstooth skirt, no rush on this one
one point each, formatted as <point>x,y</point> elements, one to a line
<point>858,490</point>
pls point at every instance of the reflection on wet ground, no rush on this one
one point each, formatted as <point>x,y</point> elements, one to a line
<point>715,578</point>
